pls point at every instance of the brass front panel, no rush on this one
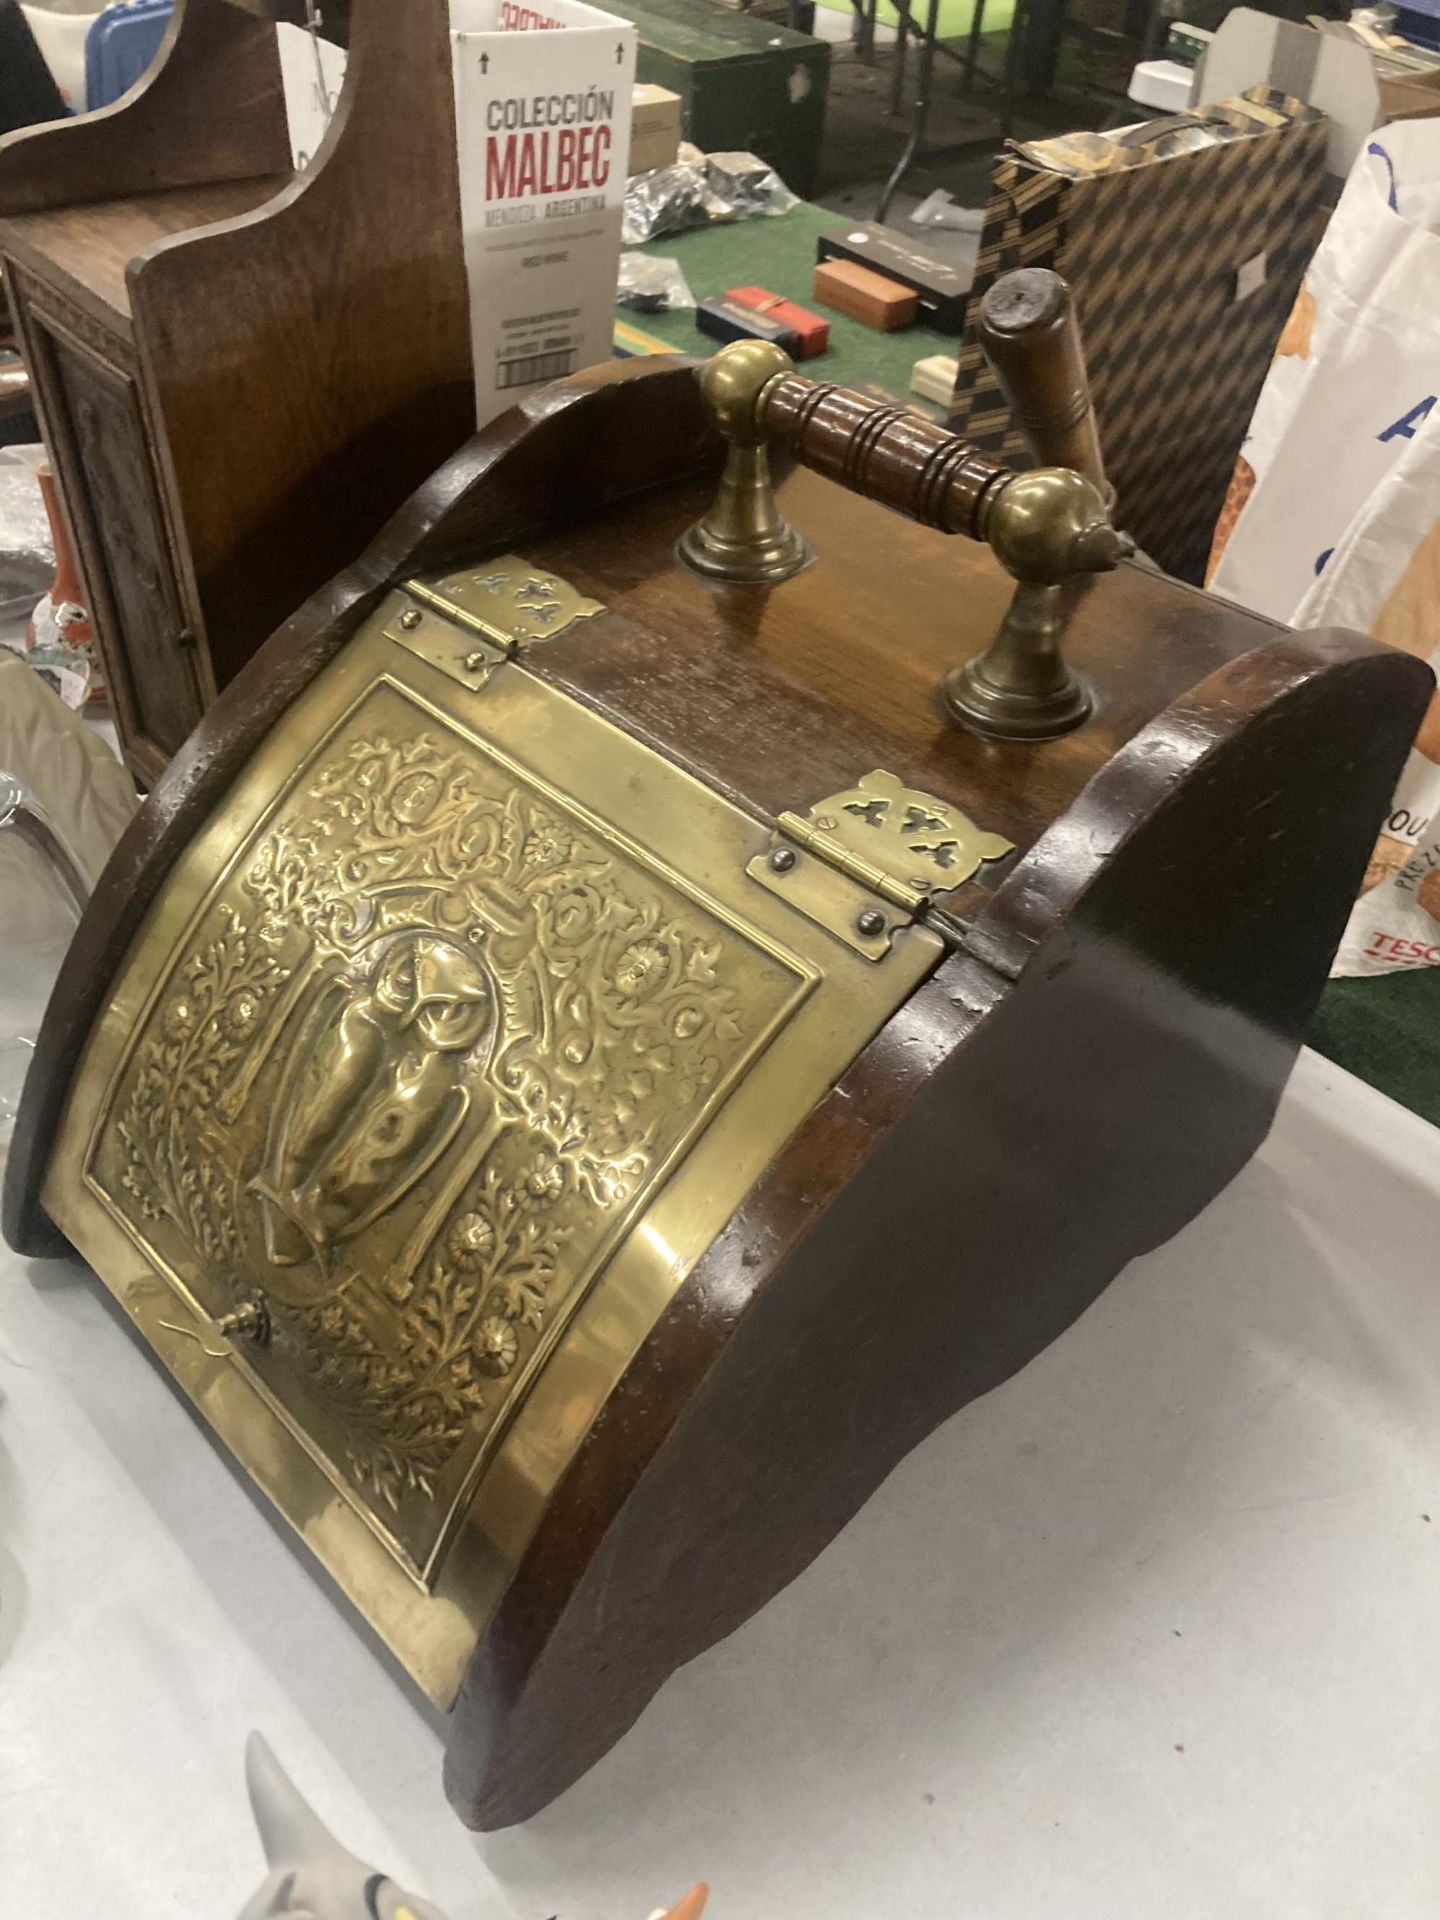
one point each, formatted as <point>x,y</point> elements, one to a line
<point>405,1076</point>
<point>451,1043</point>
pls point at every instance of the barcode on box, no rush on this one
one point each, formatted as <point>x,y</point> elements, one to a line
<point>535,366</point>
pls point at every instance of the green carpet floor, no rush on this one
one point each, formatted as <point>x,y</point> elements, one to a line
<point>779,254</point>
<point>955,15</point>
<point>1386,1031</point>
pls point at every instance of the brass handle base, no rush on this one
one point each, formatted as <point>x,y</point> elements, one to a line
<point>1044,527</point>
<point>743,539</point>
<point>1040,701</point>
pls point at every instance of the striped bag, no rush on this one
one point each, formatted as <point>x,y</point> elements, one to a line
<point>1183,242</point>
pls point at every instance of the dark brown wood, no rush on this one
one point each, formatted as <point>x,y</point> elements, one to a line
<point>778,698</point>
<point>85,251</point>
<point>865,295</point>
<point>1027,327</point>
<point>990,1163</point>
<point>100,449</point>
<point>110,487</point>
<point>911,465</point>
<point>1098,1055</point>
<point>299,347</point>
<point>209,109</point>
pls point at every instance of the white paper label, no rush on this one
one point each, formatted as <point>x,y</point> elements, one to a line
<point>542,114</point>
<point>312,72</point>
<point>1250,276</point>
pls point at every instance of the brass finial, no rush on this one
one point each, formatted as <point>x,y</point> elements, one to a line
<point>1044,527</point>
<point>743,537</point>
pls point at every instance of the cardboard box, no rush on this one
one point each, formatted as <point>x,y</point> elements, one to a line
<point>1360,87</point>
<point>728,320</point>
<point>1182,261</point>
<point>542,127</point>
<point>654,128</point>
<point>812,334</point>
<point>940,287</point>
<point>1408,96</point>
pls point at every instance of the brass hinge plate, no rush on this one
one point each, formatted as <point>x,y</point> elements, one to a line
<point>455,650</point>
<point>894,844</point>
<point>507,602</point>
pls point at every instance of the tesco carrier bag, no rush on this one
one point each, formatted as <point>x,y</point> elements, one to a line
<point>1333,513</point>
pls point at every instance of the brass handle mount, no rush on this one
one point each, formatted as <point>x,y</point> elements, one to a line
<point>1045,527</point>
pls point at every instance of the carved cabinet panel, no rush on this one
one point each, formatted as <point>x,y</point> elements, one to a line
<point>92,411</point>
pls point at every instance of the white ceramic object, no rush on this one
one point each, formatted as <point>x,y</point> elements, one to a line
<point>1161,84</point>
<point>312,1877</point>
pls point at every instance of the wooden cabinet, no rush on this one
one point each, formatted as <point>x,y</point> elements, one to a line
<point>240,372</point>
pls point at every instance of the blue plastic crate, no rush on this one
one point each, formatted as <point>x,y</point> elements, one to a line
<point>120,45</point>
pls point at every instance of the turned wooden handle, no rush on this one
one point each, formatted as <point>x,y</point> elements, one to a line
<point>1028,330</point>
<point>895,457</point>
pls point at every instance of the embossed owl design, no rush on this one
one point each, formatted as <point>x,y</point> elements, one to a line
<point>374,1091</point>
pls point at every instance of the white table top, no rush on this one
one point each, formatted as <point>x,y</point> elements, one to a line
<point>1153,1629</point>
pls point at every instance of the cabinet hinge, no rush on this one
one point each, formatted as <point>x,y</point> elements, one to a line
<point>864,862</point>
<point>507,602</point>
<point>470,622</point>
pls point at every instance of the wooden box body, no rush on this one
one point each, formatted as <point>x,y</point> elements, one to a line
<point>1103,1027</point>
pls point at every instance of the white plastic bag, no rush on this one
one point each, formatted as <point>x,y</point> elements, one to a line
<point>1333,517</point>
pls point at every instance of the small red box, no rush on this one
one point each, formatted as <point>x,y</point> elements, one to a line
<point>810,330</point>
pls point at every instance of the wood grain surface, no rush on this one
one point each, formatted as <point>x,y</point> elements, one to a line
<point>1058,1099</point>
<point>209,109</point>
<point>299,345</point>
<point>86,250</point>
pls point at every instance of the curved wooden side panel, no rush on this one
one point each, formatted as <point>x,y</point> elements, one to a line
<point>576,446</point>
<point>999,1152</point>
<point>210,108</point>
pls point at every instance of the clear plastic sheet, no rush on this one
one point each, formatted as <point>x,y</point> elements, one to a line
<point>701,190</point>
<point>651,283</point>
<point>27,553</point>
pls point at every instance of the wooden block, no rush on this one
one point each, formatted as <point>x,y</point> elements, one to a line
<point>867,297</point>
<point>934,376</point>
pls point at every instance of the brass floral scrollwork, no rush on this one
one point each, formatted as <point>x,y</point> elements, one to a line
<point>428,1042</point>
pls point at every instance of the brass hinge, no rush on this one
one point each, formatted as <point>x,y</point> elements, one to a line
<point>469,623</point>
<point>507,602</point>
<point>864,862</point>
